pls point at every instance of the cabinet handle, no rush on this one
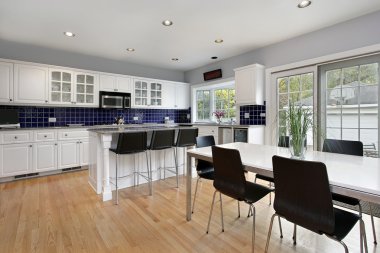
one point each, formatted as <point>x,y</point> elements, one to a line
<point>45,136</point>
<point>15,137</point>
<point>56,144</point>
<point>46,101</point>
<point>30,146</point>
<point>65,135</point>
<point>10,99</point>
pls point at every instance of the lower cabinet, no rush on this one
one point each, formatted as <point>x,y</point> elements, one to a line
<point>45,156</point>
<point>16,159</point>
<point>68,154</point>
<point>84,151</point>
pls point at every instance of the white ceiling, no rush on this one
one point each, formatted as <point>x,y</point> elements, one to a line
<point>106,28</point>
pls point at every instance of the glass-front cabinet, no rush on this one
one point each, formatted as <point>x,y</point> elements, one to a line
<point>75,88</point>
<point>147,93</point>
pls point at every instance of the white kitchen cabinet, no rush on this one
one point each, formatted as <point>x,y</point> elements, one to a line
<point>115,83</point>
<point>61,86</point>
<point>17,159</point>
<point>84,149</point>
<point>45,156</point>
<point>86,89</point>
<point>182,96</point>
<point>141,93</point>
<point>169,95</point>
<point>249,85</point>
<point>209,130</point>
<point>68,154</point>
<point>6,82</point>
<point>30,84</point>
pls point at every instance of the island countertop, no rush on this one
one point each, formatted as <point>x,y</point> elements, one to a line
<point>127,129</point>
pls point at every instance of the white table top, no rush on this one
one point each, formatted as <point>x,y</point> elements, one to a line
<point>354,176</point>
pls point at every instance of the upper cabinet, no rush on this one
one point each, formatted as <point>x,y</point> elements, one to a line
<point>75,88</point>
<point>30,84</point>
<point>182,96</point>
<point>115,83</point>
<point>147,93</point>
<point>6,82</point>
<point>249,85</point>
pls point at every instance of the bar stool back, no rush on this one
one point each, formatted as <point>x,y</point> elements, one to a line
<point>186,137</point>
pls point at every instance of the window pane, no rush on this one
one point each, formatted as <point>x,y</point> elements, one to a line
<point>349,96</point>
<point>350,76</point>
<point>282,85</point>
<point>282,118</point>
<point>307,81</point>
<point>307,98</point>
<point>283,100</point>
<point>295,97</point>
<point>333,78</point>
<point>350,117</point>
<point>369,136</point>
<point>333,133</point>
<point>369,74</point>
<point>334,96</point>
<point>294,83</point>
<point>350,134</point>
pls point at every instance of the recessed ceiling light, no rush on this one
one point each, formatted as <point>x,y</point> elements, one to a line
<point>304,4</point>
<point>175,59</point>
<point>219,41</point>
<point>214,57</point>
<point>167,22</point>
<point>130,49</point>
<point>69,34</point>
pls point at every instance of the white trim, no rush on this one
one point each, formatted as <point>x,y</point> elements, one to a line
<point>269,89</point>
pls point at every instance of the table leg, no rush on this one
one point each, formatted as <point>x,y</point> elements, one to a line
<point>106,144</point>
<point>188,188</point>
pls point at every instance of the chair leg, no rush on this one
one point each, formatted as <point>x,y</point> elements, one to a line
<point>176,165</point>
<point>270,194</point>
<point>364,235</point>
<point>238,209</point>
<point>373,225</point>
<point>164,164</point>
<point>279,224</point>
<point>212,207</point>
<point>117,189</point>
<point>150,177</point>
<point>195,194</point>
<point>249,213</point>
<point>269,232</point>
<point>341,242</point>
<point>221,210</point>
<point>134,172</point>
<point>295,235</point>
<point>253,227</point>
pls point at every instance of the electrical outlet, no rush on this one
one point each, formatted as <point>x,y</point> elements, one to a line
<point>246,115</point>
<point>52,120</point>
<point>188,116</point>
<point>166,118</point>
<point>262,114</point>
<point>135,118</point>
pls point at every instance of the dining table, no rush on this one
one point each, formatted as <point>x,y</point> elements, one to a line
<point>353,176</point>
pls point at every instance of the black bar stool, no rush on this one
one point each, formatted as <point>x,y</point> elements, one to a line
<point>163,140</point>
<point>186,138</point>
<point>130,144</point>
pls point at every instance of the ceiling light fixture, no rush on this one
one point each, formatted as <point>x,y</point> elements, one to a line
<point>304,4</point>
<point>69,34</point>
<point>130,49</point>
<point>214,57</point>
<point>218,41</point>
<point>175,59</point>
<point>167,22</point>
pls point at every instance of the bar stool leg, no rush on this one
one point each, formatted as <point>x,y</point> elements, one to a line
<point>134,172</point>
<point>149,169</point>
<point>164,164</point>
<point>176,164</point>
<point>117,189</point>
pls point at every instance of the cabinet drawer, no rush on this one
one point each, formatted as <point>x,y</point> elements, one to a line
<point>17,137</point>
<point>45,136</point>
<point>70,135</point>
<point>208,130</point>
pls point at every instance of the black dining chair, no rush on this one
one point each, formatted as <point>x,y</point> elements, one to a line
<point>205,170</point>
<point>186,138</point>
<point>164,140</point>
<point>229,179</point>
<point>303,197</point>
<point>347,147</point>
<point>131,144</point>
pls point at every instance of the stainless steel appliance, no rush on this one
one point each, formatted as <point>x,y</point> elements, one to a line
<point>9,118</point>
<point>114,100</point>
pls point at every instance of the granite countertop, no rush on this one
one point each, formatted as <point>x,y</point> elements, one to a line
<point>219,125</point>
<point>128,129</point>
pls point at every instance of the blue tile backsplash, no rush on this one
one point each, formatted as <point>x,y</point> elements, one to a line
<point>254,114</point>
<point>32,116</point>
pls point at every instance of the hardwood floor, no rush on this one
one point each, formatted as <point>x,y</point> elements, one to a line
<point>61,213</point>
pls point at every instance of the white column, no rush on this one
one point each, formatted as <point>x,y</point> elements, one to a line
<point>106,143</point>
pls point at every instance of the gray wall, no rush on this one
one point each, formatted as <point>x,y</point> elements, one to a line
<point>355,33</point>
<point>31,53</point>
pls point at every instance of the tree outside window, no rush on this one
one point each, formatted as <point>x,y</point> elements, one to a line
<point>203,105</point>
<point>225,101</point>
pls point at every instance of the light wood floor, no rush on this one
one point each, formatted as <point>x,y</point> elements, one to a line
<point>61,213</point>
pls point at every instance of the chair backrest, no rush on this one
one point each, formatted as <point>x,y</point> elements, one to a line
<point>229,176</point>
<point>133,142</point>
<point>201,142</point>
<point>205,141</point>
<point>343,147</point>
<point>283,141</point>
<point>187,137</point>
<point>303,194</point>
<point>162,139</point>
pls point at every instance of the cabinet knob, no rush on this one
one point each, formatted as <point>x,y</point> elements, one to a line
<point>45,136</point>
<point>15,137</point>
<point>56,144</point>
<point>11,100</point>
<point>46,101</point>
<point>66,135</point>
<point>30,146</point>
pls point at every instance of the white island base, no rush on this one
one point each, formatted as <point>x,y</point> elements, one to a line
<point>102,164</point>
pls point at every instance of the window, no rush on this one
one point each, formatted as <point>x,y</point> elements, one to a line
<point>203,105</point>
<point>225,101</point>
<point>350,101</point>
<point>293,87</point>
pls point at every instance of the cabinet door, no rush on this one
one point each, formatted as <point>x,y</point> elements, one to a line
<point>6,82</point>
<point>155,94</point>
<point>168,97</point>
<point>61,86</point>
<point>124,84</point>
<point>249,85</point>
<point>30,84</point>
<point>107,83</point>
<point>16,159</point>
<point>84,152</point>
<point>182,96</point>
<point>141,93</point>
<point>68,154</point>
<point>45,156</point>
<point>86,89</point>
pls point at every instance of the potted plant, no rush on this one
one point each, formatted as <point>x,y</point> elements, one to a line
<point>219,115</point>
<point>300,121</point>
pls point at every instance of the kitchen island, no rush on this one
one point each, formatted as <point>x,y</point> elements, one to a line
<point>102,161</point>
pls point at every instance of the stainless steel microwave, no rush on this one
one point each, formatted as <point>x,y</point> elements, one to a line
<point>114,100</point>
